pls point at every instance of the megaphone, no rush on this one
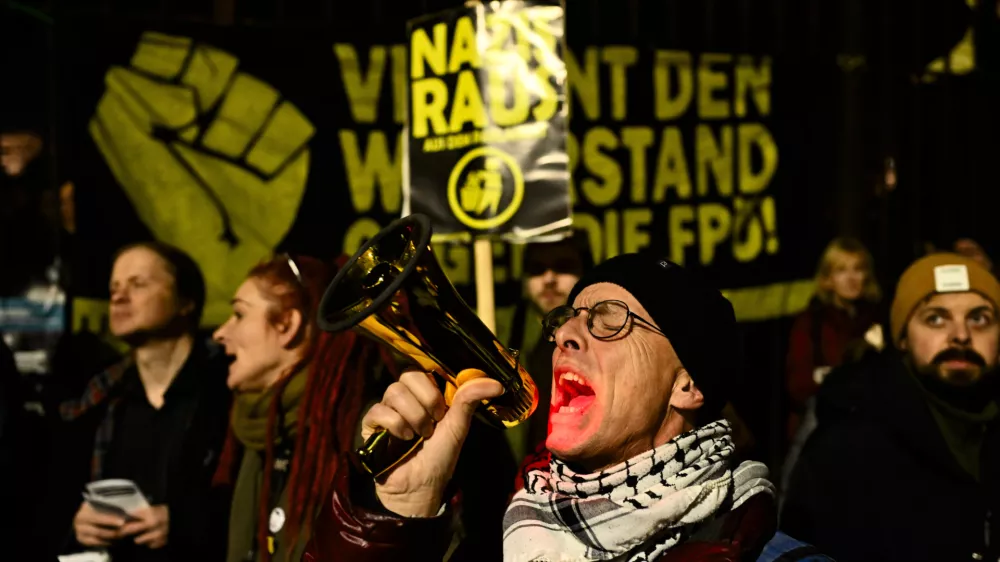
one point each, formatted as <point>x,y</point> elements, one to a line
<point>394,291</point>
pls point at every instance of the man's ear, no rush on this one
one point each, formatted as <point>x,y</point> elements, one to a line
<point>685,394</point>
<point>288,327</point>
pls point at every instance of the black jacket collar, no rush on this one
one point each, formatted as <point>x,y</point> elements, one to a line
<point>882,389</point>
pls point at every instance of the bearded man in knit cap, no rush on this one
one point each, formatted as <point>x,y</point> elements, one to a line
<point>905,463</point>
<point>641,464</point>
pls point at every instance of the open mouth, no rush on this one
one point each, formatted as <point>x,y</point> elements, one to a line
<point>573,394</point>
<point>229,358</point>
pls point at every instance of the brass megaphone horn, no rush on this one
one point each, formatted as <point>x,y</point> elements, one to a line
<point>394,291</point>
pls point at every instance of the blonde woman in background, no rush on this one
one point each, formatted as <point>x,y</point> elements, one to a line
<point>843,314</point>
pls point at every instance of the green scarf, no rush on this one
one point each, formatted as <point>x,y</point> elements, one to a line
<point>250,413</point>
<point>963,431</point>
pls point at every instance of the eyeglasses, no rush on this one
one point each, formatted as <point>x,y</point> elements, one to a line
<point>294,267</point>
<point>605,319</point>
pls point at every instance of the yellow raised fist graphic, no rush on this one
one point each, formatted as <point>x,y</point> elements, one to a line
<point>214,161</point>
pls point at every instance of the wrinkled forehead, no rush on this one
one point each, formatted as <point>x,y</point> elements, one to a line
<point>957,303</point>
<point>598,292</point>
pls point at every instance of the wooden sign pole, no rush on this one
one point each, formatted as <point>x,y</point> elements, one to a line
<point>482,249</point>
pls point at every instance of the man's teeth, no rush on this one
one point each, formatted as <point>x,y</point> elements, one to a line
<point>568,410</point>
<point>573,377</point>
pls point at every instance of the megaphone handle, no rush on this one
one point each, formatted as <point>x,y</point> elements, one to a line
<point>382,451</point>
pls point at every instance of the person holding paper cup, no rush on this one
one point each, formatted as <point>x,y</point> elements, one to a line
<point>162,417</point>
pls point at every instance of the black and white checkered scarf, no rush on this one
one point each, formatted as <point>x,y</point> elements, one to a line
<point>633,511</point>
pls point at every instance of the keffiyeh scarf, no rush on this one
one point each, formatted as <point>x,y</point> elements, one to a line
<point>633,511</point>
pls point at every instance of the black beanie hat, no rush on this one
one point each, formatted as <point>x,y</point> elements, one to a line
<point>697,319</point>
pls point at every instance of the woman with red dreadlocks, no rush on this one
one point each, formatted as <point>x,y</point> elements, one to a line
<point>299,393</point>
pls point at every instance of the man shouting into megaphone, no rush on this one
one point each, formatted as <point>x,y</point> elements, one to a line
<point>640,462</point>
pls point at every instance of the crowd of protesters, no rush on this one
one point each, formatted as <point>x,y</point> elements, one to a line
<point>241,440</point>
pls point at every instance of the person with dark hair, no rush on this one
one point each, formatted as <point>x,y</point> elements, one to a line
<point>28,244</point>
<point>189,285</point>
<point>163,415</point>
<point>51,361</point>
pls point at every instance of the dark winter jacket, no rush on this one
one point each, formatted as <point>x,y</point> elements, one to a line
<point>877,481</point>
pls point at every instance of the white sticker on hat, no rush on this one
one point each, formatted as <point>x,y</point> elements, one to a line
<point>951,278</point>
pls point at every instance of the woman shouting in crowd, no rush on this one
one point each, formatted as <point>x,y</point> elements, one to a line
<point>299,392</point>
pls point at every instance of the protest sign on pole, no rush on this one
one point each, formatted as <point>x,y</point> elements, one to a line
<point>486,138</point>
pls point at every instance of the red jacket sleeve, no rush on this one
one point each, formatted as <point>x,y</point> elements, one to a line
<point>799,366</point>
<point>348,530</point>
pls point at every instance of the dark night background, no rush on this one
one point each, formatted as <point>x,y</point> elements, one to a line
<point>847,97</point>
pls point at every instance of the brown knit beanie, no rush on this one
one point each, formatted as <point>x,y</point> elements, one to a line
<point>938,273</point>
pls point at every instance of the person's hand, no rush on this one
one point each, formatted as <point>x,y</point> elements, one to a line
<point>820,373</point>
<point>94,528</point>
<point>152,528</point>
<point>874,337</point>
<point>414,406</point>
<point>17,150</point>
<point>214,160</point>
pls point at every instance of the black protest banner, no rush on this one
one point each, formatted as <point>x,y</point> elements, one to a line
<point>217,141</point>
<point>674,146</point>
<point>709,164</point>
<point>487,134</point>
<point>233,143</point>
<point>690,147</point>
